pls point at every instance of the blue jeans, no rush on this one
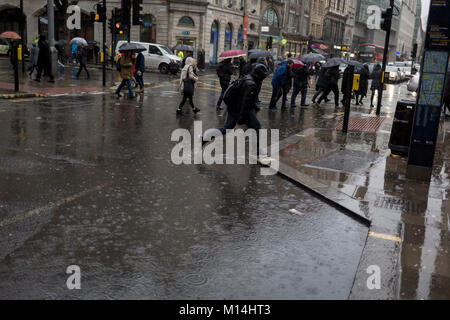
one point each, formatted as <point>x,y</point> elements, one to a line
<point>140,80</point>
<point>299,89</point>
<point>317,94</point>
<point>122,84</point>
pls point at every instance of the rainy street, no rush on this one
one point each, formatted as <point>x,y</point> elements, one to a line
<point>87,180</point>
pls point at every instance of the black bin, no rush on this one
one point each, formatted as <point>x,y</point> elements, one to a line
<point>402,127</point>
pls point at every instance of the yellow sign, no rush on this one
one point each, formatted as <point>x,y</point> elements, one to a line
<point>344,48</point>
<point>356,79</point>
<point>102,57</point>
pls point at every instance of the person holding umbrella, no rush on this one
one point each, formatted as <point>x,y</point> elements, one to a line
<point>224,72</point>
<point>278,83</point>
<point>300,75</point>
<point>82,58</point>
<point>126,73</point>
<point>376,82</point>
<point>363,84</point>
<point>331,77</point>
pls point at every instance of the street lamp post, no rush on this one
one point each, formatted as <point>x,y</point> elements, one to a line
<point>51,35</point>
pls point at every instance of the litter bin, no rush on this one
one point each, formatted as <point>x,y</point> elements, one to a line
<point>402,127</point>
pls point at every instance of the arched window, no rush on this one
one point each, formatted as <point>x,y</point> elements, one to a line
<point>240,43</point>
<point>228,36</point>
<point>148,28</point>
<point>271,18</point>
<point>186,22</point>
<point>213,43</point>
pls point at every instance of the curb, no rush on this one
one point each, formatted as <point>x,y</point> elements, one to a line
<point>20,96</point>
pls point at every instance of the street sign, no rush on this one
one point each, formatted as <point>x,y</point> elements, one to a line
<point>431,89</point>
<point>264,29</point>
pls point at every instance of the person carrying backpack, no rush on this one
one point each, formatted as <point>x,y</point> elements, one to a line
<point>300,85</point>
<point>224,72</point>
<point>241,99</point>
<point>187,84</point>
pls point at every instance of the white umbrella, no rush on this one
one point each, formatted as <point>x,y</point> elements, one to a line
<point>79,41</point>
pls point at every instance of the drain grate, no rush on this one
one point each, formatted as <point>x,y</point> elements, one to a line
<point>370,124</point>
<point>396,204</point>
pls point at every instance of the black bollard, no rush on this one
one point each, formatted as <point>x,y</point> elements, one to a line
<point>15,66</point>
<point>348,101</point>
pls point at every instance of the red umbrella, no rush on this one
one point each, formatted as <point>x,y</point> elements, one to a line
<point>298,64</point>
<point>10,35</point>
<point>230,54</point>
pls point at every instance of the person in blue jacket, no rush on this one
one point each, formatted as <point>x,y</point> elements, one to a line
<point>279,80</point>
<point>140,69</point>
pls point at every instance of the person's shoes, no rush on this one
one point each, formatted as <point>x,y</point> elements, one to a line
<point>196,110</point>
<point>273,108</point>
<point>313,101</point>
<point>131,97</point>
<point>327,100</point>
<point>37,80</point>
<point>118,94</point>
<point>361,103</point>
<point>179,111</point>
<point>51,80</point>
<point>356,104</point>
<point>219,107</point>
<point>293,106</point>
<point>305,105</point>
<point>371,106</point>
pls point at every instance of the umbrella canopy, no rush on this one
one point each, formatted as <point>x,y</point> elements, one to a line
<point>10,35</point>
<point>61,43</point>
<point>312,57</point>
<point>230,54</point>
<point>131,46</point>
<point>298,64</point>
<point>79,41</point>
<point>93,42</point>
<point>257,53</point>
<point>355,63</point>
<point>334,62</point>
<point>183,47</point>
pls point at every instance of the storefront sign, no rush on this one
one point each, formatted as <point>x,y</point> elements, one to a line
<point>337,47</point>
<point>186,32</point>
<point>320,46</point>
<point>264,29</point>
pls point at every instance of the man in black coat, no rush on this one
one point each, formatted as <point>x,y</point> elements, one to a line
<point>44,63</point>
<point>224,72</point>
<point>347,94</point>
<point>320,85</point>
<point>363,84</point>
<point>331,77</point>
<point>300,85</point>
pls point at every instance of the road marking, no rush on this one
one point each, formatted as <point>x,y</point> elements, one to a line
<point>300,135</point>
<point>50,206</point>
<point>384,236</point>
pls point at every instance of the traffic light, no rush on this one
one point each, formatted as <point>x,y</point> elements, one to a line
<point>386,19</point>
<point>137,12</point>
<point>111,25</point>
<point>101,13</point>
<point>269,43</point>
<point>125,12</point>
<point>94,16</point>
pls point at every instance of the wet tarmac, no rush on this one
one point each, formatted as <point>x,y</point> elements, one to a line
<point>88,180</point>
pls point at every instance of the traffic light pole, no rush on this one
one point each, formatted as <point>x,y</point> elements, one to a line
<point>113,36</point>
<point>385,54</point>
<point>104,43</point>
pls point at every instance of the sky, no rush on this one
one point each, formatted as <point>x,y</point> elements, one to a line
<point>425,8</point>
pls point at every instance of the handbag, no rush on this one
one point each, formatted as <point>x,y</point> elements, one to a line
<point>188,85</point>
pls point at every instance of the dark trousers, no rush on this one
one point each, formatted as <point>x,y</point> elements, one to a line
<point>47,71</point>
<point>299,89</point>
<point>185,98</point>
<point>224,85</point>
<point>140,80</point>
<point>277,92</point>
<point>327,91</point>
<point>251,121</point>
<point>373,95</point>
<point>31,69</point>
<point>317,94</point>
<point>83,66</point>
<point>122,84</point>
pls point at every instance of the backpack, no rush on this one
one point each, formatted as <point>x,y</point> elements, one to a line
<point>233,93</point>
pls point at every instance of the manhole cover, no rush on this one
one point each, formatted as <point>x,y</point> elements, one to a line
<point>368,124</point>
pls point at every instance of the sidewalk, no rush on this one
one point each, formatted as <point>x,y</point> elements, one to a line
<point>409,236</point>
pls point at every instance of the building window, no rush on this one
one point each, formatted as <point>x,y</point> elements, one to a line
<point>228,36</point>
<point>148,29</point>
<point>271,18</point>
<point>186,22</point>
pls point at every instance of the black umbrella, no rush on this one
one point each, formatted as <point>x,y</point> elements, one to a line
<point>257,53</point>
<point>183,47</point>
<point>61,43</point>
<point>334,62</point>
<point>131,46</point>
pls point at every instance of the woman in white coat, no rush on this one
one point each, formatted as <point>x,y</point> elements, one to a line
<point>187,84</point>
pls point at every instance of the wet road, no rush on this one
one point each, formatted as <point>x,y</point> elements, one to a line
<point>88,181</point>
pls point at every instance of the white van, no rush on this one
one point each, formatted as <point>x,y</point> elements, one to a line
<point>157,57</point>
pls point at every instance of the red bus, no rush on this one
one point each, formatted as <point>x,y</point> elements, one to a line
<point>370,52</point>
